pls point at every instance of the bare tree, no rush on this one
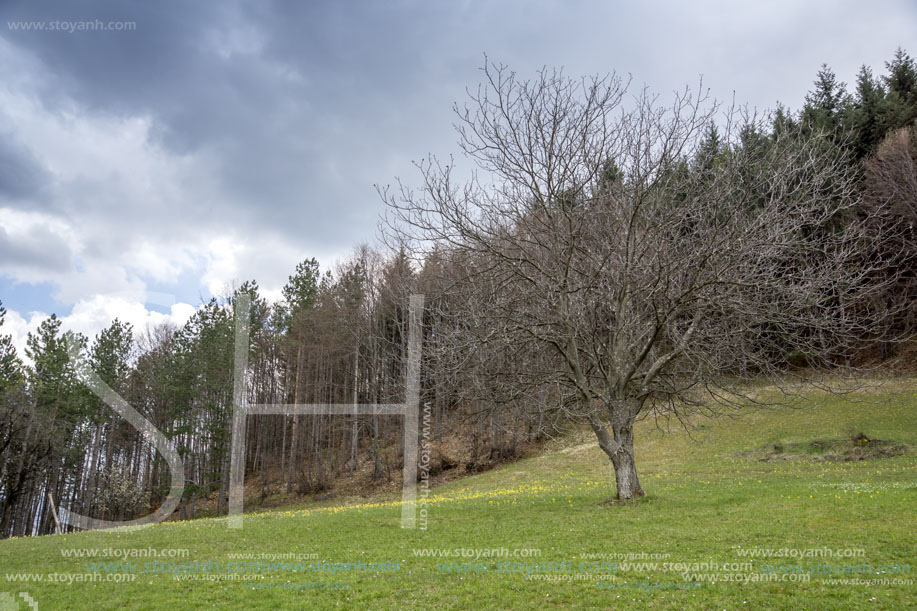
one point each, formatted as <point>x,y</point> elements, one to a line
<point>890,186</point>
<point>619,257</point>
<point>891,174</point>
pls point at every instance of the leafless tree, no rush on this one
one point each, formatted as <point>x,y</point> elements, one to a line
<point>610,256</point>
<point>890,186</point>
<point>892,173</point>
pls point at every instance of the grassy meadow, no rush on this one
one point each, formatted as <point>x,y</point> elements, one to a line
<point>763,510</point>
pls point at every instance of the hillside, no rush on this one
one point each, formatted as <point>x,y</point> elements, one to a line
<point>789,503</point>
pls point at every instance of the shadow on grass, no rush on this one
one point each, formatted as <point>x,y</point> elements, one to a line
<point>616,502</point>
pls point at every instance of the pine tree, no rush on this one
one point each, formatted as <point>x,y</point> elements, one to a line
<point>15,417</point>
<point>901,80</point>
<point>60,407</point>
<point>782,122</point>
<point>865,115</point>
<point>10,364</point>
<point>825,105</point>
<point>109,359</point>
<point>902,75</point>
<point>301,291</point>
<point>710,152</point>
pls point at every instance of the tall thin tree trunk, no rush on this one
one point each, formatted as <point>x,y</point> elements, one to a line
<point>355,423</point>
<point>294,437</point>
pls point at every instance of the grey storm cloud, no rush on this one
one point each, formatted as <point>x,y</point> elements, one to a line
<point>21,175</point>
<point>37,249</point>
<point>292,101</point>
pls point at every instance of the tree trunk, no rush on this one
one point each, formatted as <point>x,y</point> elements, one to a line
<point>354,432</point>
<point>620,448</point>
<point>294,435</point>
<point>625,467</point>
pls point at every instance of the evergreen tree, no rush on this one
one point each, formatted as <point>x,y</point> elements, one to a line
<point>109,358</point>
<point>902,75</point>
<point>48,350</point>
<point>301,290</point>
<point>10,365</point>
<point>901,80</point>
<point>865,115</point>
<point>111,352</point>
<point>710,152</point>
<point>60,407</point>
<point>825,105</point>
<point>782,122</point>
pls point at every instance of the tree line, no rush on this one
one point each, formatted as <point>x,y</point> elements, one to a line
<point>334,338</point>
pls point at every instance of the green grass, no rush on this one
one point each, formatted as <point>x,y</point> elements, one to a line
<point>709,499</point>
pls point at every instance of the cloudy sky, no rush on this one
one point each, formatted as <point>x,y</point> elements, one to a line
<point>196,144</point>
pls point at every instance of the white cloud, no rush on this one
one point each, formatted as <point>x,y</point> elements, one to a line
<point>109,186</point>
<point>91,316</point>
<point>260,256</point>
<point>221,264</point>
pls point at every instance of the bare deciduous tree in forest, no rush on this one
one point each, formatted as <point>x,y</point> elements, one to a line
<point>890,186</point>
